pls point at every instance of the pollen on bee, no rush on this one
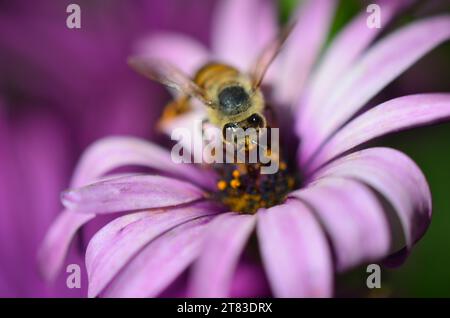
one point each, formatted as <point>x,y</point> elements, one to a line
<point>236,173</point>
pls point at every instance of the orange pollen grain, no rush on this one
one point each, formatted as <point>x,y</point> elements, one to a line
<point>221,185</point>
<point>235,183</point>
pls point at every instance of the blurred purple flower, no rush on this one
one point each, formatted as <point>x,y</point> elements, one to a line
<point>27,210</point>
<point>335,212</point>
<point>61,89</point>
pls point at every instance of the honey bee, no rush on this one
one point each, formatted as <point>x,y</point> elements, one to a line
<point>233,99</point>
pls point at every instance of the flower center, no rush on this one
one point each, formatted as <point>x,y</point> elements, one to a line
<point>244,189</point>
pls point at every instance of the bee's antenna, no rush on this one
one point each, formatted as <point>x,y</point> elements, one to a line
<point>268,54</point>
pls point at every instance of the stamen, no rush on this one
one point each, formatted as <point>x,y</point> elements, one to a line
<point>235,183</point>
<point>249,190</point>
<point>221,185</point>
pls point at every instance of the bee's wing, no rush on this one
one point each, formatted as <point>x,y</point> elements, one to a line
<point>266,57</point>
<point>169,75</point>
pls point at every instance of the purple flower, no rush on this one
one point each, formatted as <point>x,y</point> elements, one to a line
<point>60,89</point>
<point>333,221</point>
<point>26,211</point>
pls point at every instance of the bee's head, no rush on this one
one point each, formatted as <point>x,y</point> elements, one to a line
<point>233,100</point>
<point>244,132</point>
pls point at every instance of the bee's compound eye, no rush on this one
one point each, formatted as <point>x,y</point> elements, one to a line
<point>255,121</point>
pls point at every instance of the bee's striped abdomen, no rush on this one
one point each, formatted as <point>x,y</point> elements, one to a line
<point>213,74</point>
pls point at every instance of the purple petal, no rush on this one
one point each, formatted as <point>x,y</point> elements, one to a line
<point>103,156</point>
<point>397,178</point>
<point>376,69</point>
<point>353,218</point>
<point>391,116</point>
<point>114,152</point>
<point>160,262</point>
<point>302,48</point>
<point>294,251</point>
<point>55,246</point>
<point>339,56</point>
<point>130,194</point>
<point>182,51</point>
<point>120,240</point>
<point>225,240</point>
<point>241,29</point>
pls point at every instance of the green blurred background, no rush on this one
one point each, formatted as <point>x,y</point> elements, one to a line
<point>426,272</point>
